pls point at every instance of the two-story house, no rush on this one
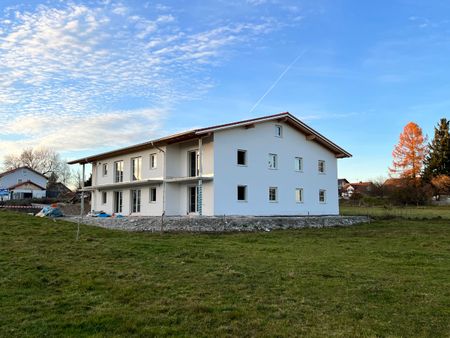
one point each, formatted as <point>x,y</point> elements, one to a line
<point>23,182</point>
<point>272,165</point>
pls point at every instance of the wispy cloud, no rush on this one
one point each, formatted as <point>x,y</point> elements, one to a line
<point>71,132</point>
<point>63,59</point>
<point>61,62</point>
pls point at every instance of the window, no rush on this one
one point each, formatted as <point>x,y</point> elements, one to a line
<point>135,201</point>
<point>298,164</point>
<point>322,196</point>
<point>273,161</point>
<point>153,161</point>
<point>118,171</point>
<point>299,195</point>
<point>118,200</point>
<point>278,130</point>
<point>105,169</point>
<point>321,165</point>
<point>242,192</point>
<point>193,158</point>
<point>19,180</point>
<point>273,194</point>
<point>242,157</point>
<point>152,195</point>
<point>104,197</point>
<point>136,165</point>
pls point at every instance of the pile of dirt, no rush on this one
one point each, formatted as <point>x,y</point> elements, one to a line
<point>74,209</point>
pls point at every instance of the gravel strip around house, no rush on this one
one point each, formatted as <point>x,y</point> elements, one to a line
<point>219,224</point>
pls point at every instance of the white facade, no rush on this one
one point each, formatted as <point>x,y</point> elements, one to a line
<point>259,142</point>
<point>23,183</point>
<point>280,171</point>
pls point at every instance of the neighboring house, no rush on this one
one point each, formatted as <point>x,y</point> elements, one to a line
<point>362,188</point>
<point>23,182</point>
<point>55,190</point>
<point>273,165</point>
<point>341,183</point>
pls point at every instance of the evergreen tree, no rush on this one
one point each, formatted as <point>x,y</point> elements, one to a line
<point>437,161</point>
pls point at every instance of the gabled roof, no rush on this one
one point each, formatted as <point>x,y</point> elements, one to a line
<point>21,168</point>
<point>362,187</point>
<point>285,117</point>
<point>24,183</point>
<point>58,186</point>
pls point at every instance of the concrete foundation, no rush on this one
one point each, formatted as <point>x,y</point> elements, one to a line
<point>220,224</point>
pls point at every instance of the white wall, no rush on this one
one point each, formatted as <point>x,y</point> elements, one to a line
<point>147,172</point>
<point>176,193</point>
<point>259,142</point>
<point>177,157</point>
<point>220,195</point>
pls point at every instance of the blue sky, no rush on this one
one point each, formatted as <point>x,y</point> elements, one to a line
<point>88,76</point>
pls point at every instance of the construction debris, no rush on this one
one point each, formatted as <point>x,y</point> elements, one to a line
<point>50,211</point>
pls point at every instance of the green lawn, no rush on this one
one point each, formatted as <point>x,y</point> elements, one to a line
<point>389,278</point>
<point>404,212</point>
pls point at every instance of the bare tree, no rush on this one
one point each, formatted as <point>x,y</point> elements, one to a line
<point>78,179</point>
<point>44,160</point>
<point>378,187</point>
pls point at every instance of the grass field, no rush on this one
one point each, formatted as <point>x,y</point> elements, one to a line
<point>423,212</point>
<point>389,278</point>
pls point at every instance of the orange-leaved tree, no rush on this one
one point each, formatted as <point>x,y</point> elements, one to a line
<point>410,152</point>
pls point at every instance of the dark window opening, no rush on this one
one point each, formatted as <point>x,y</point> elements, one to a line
<point>242,192</point>
<point>241,157</point>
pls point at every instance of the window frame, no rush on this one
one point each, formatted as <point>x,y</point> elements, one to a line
<point>138,175</point>
<point>274,157</point>
<point>245,157</point>
<point>104,197</point>
<point>321,167</point>
<point>301,194</point>
<point>150,198</point>
<point>119,209</point>
<point>245,193</point>
<point>136,205</point>
<point>118,174</point>
<point>275,190</point>
<point>278,130</point>
<point>298,160</point>
<point>153,161</point>
<point>324,196</point>
<point>196,169</point>
<point>105,169</point>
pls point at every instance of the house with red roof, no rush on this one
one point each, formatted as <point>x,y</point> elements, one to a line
<point>361,188</point>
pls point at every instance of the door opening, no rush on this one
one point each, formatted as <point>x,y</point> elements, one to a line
<point>192,207</point>
<point>193,163</point>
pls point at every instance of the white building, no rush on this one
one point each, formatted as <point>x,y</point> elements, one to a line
<point>23,182</point>
<point>273,165</point>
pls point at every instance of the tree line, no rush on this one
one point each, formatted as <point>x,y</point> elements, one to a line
<point>414,158</point>
<point>421,167</point>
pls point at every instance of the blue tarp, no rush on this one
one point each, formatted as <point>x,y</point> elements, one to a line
<point>50,212</point>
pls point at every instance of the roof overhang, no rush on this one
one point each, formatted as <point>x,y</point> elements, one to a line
<point>291,120</point>
<point>186,136</point>
<point>286,117</point>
